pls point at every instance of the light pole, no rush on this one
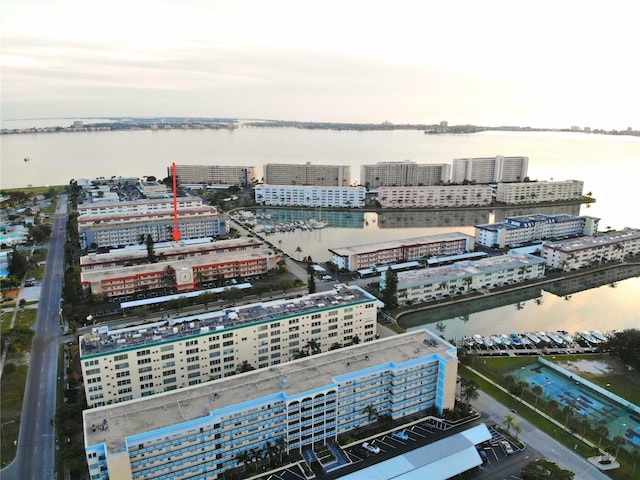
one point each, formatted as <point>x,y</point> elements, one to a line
<point>2,428</point>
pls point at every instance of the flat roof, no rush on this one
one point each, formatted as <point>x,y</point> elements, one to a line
<point>466,268</point>
<point>439,460</point>
<point>392,244</point>
<point>167,298</point>
<point>139,416</point>
<point>105,341</point>
<point>580,243</point>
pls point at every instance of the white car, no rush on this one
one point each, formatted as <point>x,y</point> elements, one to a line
<point>371,448</point>
<point>506,446</point>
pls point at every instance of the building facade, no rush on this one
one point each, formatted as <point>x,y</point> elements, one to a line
<point>490,169</point>
<point>301,196</point>
<point>397,251</point>
<point>428,284</point>
<point>592,250</point>
<point>403,174</point>
<point>125,223</point>
<point>536,192</point>
<point>200,432</point>
<point>172,271</point>
<point>517,231</point>
<point>307,174</point>
<point>119,365</point>
<point>214,174</point>
<point>435,196</point>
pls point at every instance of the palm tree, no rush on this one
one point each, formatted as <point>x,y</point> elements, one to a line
<point>585,424</point>
<point>601,431</point>
<point>469,391</point>
<point>245,366</point>
<point>281,444</point>
<point>618,441</point>
<point>371,411</point>
<point>243,457</point>
<point>313,346</point>
<point>298,251</point>
<point>441,326</point>
<point>537,391</point>
<point>509,421</point>
<point>635,455</point>
<point>468,281</point>
<point>553,404</point>
<point>568,411</point>
<point>517,429</point>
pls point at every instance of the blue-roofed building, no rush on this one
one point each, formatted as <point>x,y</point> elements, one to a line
<point>521,230</point>
<point>202,431</point>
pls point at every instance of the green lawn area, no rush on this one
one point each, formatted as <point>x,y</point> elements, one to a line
<point>12,387</point>
<point>37,190</point>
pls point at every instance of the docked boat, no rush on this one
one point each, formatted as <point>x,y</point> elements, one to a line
<point>566,337</point>
<point>515,339</point>
<point>478,339</point>
<point>525,341</point>
<point>505,339</point>
<point>598,335</point>
<point>487,342</point>
<point>496,340</point>
<point>543,337</point>
<point>468,341</point>
<point>533,337</point>
<point>555,338</point>
<point>587,337</point>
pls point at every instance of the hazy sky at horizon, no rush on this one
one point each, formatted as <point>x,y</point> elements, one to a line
<point>544,63</point>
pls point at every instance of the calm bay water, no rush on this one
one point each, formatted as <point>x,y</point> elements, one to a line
<point>607,164</point>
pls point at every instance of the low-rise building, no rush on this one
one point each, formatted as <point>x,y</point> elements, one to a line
<point>435,283</point>
<point>582,252</point>
<point>435,196</point>
<point>201,431</point>
<point>536,192</point>
<point>520,230</point>
<point>123,364</point>
<point>179,268</point>
<point>307,174</point>
<point>309,196</point>
<point>395,251</point>
<point>117,224</point>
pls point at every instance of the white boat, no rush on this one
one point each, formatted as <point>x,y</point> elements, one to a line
<point>496,339</point>
<point>555,338</point>
<point>478,339</point>
<point>487,342</point>
<point>317,224</point>
<point>543,337</point>
<point>566,337</point>
<point>533,337</point>
<point>597,334</point>
<point>587,336</point>
<point>468,341</point>
<point>505,339</point>
<point>525,341</point>
<point>515,339</point>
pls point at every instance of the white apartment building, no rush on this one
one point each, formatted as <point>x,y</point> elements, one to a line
<point>214,174</point>
<point>435,196</point>
<point>119,365</point>
<point>179,273</point>
<point>587,251</point>
<point>199,432</point>
<point>517,231</point>
<point>404,173</point>
<point>125,223</point>
<point>435,283</point>
<point>535,192</point>
<point>490,170</point>
<point>309,196</point>
<point>307,174</point>
<point>396,251</point>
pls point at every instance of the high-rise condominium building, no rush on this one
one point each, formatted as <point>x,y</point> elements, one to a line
<point>397,174</point>
<point>490,170</point>
<point>307,174</point>
<point>214,174</point>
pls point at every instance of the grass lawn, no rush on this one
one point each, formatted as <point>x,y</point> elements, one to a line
<point>26,317</point>
<point>12,387</point>
<point>36,190</point>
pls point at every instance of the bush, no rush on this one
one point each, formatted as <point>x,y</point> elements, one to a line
<point>9,368</point>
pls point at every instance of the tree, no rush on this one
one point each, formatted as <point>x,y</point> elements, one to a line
<point>601,431</point>
<point>537,391</point>
<point>509,421</point>
<point>371,411</point>
<point>469,391</point>
<point>151,255</point>
<point>517,429</point>
<point>390,292</point>
<point>625,345</point>
<point>17,263</point>
<point>545,469</point>
<point>313,346</point>
<point>298,251</point>
<point>245,366</point>
<point>618,441</point>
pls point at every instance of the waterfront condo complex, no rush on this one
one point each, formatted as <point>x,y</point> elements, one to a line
<point>119,365</point>
<point>404,174</point>
<point>516,231</point>
<point>214,174</point>
<point>309,196</point>
<point>435,196</point>
<point>490,169</point>
<point>536,192</point>
<point>592,250</point>
<point>199,432</point>
<point>435,283</point>
<point>397,251</point>
<point>307,174</point>
<point>114,224</point>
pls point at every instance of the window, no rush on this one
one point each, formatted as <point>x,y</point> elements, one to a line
<point>118,358</point>
<point>121,366</point>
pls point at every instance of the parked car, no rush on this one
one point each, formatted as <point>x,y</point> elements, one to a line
<point>506,446</point>
<point>361,452</point>
<point>400,435</point>
<point>483,455</point>
<point>371,448</point>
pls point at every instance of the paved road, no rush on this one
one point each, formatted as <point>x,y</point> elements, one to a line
<point>495,412</point>
<point>36,442</point>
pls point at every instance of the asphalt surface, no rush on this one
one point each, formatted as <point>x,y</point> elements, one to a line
<point>36,442</point>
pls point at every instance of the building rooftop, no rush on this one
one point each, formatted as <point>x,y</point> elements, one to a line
<point>392,244</point>
<point>581,243</point>
<point>514,223</point>
<point>113,424</point>
<point>466,268</point>
<point>104,341</point>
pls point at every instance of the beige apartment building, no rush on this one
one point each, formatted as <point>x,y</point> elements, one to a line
<point>214,174</point>
<point>490,169</point>
<point>123,364</point>
<point>404,173</point>
<point>435,196</point>
<point>307,174</point>
<point>536,192</point>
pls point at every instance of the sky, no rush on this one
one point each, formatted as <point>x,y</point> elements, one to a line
<point>541,64</point>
